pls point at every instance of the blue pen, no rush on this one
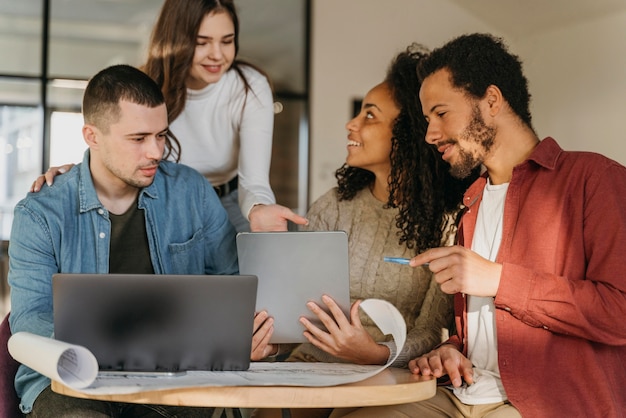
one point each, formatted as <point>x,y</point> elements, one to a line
<point>399,260</point>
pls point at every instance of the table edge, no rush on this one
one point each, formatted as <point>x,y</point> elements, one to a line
<point>364,393</point>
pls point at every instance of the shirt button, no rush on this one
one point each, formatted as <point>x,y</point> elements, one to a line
<point>102,235</point>
<point>545,327</point>
<point>507,309</point>
<point>100,211</point>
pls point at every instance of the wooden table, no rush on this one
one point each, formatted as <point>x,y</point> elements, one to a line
<point>391,386</point>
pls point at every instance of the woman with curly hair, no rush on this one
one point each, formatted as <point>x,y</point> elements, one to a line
<point>395,197</point>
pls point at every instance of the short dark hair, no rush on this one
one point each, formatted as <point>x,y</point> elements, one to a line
<point>475,62</point>
<point>105,90</point>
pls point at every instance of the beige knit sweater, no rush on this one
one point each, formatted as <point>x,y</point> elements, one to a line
<point>372,234</point>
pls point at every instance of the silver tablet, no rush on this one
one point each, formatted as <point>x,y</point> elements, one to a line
<point>294,268</point>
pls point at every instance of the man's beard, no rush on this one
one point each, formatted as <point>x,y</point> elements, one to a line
<point>478,132</point>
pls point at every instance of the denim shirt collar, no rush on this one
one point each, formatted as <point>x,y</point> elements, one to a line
<point>88,199</point>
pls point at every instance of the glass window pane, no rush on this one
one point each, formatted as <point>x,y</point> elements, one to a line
<point>87,36</point>
<point>66,94</point>
<point>66,139</point>
<point>66,121</point>
<point>20,157</point>
<point>16,91</point>
<point>20,36</point>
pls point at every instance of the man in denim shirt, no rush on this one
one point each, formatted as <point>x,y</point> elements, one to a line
<point>123,210</point>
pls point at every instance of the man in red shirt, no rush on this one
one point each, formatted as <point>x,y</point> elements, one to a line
<point>538,275</point>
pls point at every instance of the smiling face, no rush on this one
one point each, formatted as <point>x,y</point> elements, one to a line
<point>370,132</point>
<point>455,124</point>
<point>127,154</point>
<point>215,50</point>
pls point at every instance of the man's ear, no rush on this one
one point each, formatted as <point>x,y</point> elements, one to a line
<point>494,99</point>
<point>90,135</point>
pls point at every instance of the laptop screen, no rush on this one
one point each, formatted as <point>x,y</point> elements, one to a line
<point>157,323</point>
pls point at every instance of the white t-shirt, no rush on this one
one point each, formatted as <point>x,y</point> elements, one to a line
<point>481,325</point>
<point>224,133</point>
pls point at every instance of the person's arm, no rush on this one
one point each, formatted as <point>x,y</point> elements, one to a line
<point>48,177</point>
<point>255,136</point>
<point>32,263</point>
<point>274,217</point>
<point>256,198</point>
<point>583,307</point>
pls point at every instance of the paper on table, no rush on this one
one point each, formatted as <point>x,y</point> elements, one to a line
<point>72,365</point>
<point>384,315</point>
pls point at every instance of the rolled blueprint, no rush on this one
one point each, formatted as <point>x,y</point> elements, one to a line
<point>73,365</point>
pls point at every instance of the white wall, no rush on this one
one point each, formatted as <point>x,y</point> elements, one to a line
<point>352,43</point>
<point>577,77</point>
<point>577,74</point>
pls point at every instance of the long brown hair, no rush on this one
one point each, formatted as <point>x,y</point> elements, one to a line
<point>173,44</point>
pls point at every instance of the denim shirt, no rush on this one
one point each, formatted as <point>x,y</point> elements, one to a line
<point>64,228</point>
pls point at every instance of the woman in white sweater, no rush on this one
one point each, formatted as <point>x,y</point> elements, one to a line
<point>220,109</point>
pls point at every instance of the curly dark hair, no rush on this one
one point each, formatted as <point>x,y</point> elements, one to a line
<point>420,183</point>
<point>477,61</point>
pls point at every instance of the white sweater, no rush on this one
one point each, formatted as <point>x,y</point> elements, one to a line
<point>224,134</point>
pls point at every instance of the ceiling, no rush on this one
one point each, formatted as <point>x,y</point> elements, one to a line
<point>525,17</point>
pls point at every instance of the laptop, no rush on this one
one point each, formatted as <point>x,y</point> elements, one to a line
<point>294,268</point>
<point>157,323</point>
